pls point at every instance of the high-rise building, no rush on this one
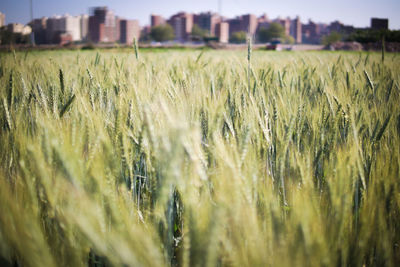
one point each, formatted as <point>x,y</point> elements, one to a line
<point>379,24</point>
<point>182,23</point>
<point>156,20</point>
<point>263,19</point>
<point>339,27</point>
<point>84,25</point>
<point>102,25</point>
<point>72,26</point>
<point>249,23</point>
<point>117,29</point>
<point>67,25</point>
<point>285,23</point>
<point>263,22</point>
<point>310,33</point>
<point>235,25</point>
<point>295,30</point>
<point>335,26</point>
<point>129,29</point>
<point>2,19</point>
<point>222,32</point>
<point>53,29</point>
<point>207,21</point>
<point>39,27</point>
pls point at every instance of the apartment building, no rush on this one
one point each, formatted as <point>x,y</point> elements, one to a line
<point>129,29</point>
<point>182,23</point>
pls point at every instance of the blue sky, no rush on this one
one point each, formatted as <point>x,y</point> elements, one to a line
<point>355,12</point>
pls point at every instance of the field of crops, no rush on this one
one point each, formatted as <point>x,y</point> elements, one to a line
<point>190,158</point>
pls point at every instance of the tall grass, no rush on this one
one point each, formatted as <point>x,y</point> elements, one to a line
<point>174,160</point>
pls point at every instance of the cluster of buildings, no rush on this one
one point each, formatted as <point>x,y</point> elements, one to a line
<point>59,29</point>
<point>183,23</point>
<point>312,32</point>
<point>222,28</point>
<point>103,26</point>
<point>14,27</point>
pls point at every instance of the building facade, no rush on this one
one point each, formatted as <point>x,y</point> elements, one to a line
<point>53,29</point>
<point>222,32</point>
<point>156,20</point>
<point>285,24</point>
<point>295,30</point>
<point>67,25</point>
<point>84,25</point>
<point>235,25</point>
<point>72,25</point>
<point>39,29</point>
<point>102,25</point>
<point>15,27</point>
<point>2,19</point>
<point>310,33</point>
<point>129,29</point>
<point>207,21</point>
<point>379,24</point>
<point>182,23</point>
<point>249,23</point>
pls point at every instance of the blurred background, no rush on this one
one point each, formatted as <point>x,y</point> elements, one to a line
<point>327,24</point>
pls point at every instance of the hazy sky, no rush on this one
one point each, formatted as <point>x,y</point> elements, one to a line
<point>355,12</point>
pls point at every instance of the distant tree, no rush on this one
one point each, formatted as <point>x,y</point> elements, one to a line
<point>162,33</point>
<point>198,33</point>
<point>331,38</point>
<point>238,37</point>
<point>263,35</point>
<point>373,36</point>
<point>274,31</point>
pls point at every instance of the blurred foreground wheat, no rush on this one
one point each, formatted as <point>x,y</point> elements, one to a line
<point>199,159</point>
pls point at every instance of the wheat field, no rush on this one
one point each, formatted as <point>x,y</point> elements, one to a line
<point>199,158</point>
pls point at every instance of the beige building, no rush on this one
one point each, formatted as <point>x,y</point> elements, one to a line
<point>2,19</point>
<point>295,30</point>
<point>26,30</point>
<point>64,25</point>
<point>19,28</point>
<point>222,32</point>
<point>15,27</point>
<point>84,25</point>
<point>72,26</point>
